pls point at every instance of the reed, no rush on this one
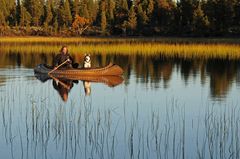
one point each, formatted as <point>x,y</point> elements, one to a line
<point>80,130</point>
<point>185,48</point>
<point>67,40</point>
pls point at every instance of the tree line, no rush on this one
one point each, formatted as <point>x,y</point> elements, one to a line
<point>120,17</point>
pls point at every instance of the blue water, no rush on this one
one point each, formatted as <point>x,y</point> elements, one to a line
<point>166,115</point>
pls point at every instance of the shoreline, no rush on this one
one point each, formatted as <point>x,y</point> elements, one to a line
<point>124,39</point>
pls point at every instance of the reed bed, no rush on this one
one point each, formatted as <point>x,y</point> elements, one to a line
<point>221,51</point>
<point>68,40</point>
<point>43,129</point>
<point>169,47</point>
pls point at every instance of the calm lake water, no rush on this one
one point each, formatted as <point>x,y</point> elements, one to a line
<point>164,108</point>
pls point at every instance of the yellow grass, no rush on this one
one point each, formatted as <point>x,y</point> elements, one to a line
<point>121,46</point>
<point>67,40</point>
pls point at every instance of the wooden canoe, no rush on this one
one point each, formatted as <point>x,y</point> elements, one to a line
<point>109,70</point>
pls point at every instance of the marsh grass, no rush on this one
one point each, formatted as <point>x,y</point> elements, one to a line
<point>175,47</point>
<point>69,40</point>
<point>45,128</point>
<point>81,131</point>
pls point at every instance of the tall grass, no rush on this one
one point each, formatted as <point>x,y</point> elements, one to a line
<point>148,47</point>
<point>80,131</point>
<point>75,40</point>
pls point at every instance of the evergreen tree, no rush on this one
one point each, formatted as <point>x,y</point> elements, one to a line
<point>48,14</point>
<point>60,13</point>
<point>36,10</point>
<point>200,21</point>
<point>227,7</point>
<point>18,12</point>
<point>84,9</point>
<point>164,17</point>
<point>144,5</point>
<point>85,12</point>
<point>220,14</point>
<point>111,7</point>
<point>25,17</point>
<point>103,17</point>
<point>65,17</point>
<point>124,5</point>
<point>76,7</point>
<point>3,9</point>
<point>12,15</point>
<point>28,5</point>
<point>92,10</point>
<point>150,8</point>
<point>121,16</point>
<point>141,16</point>
<point>210,11</point>
<point>103,22</point>
<point>10,4</point>
<point>2,19</point>
<point>55,25</point>
<point>186,14</point>
<point>132,20</point>
<point>237,14</point>
<point>67,14</point>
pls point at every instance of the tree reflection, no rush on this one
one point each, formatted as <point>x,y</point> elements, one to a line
<point>222,74</point>
<point>153,70</point>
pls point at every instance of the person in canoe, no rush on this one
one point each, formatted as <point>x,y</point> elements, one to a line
<point>62,57</point>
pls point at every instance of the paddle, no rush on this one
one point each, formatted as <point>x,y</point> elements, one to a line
<point>62,83</point>
<point>58,66</point>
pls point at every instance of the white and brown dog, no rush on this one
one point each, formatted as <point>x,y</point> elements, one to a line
<point>87,61</point>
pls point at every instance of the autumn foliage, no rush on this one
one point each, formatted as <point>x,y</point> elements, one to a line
<point>80,24</point>
<point>120,17</point>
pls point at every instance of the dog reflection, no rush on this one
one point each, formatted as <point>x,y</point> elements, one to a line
<point>87,88</point>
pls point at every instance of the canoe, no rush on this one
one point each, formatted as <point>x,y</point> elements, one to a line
<point>111,81</point>
<point>109,70</point>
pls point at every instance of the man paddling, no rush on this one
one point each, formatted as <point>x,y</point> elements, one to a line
<point>62,57</point>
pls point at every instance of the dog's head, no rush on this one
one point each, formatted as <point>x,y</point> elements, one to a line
<point>87,58</point>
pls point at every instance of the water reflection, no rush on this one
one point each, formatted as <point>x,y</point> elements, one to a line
<point>140,119</point>
<point>152,70</point>
<point>64,85</point>
<point>87,88</point>
<point>2,80</point>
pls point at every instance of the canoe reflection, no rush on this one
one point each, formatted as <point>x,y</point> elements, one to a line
<point>64,85</point>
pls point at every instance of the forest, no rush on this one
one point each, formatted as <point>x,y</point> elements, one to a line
<point>192,18</point>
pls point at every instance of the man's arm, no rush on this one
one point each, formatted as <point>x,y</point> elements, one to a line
<point>56,60</point>
<point>71,59</point>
